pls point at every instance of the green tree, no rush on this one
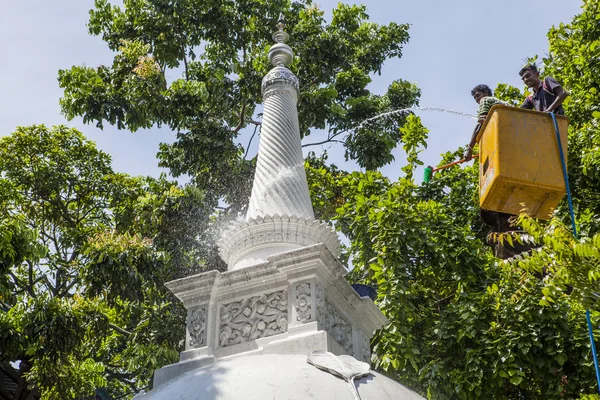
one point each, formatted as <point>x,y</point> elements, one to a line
<point>463,325</point>
<point>222,50</point>
<point>509,93</point>
<point>520,332</point>
<point>84,253</point>
<point>573,60</point>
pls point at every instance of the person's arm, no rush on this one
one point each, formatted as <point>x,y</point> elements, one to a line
<point>469,151</point>
<point>484,107</point>
<point>561,95</point>
<point>558,91</point>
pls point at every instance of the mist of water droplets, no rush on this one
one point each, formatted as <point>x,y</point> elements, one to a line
<point>408,110</point>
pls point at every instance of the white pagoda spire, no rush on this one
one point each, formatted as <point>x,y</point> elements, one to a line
<point>280,216</point>
<point>280,180</point>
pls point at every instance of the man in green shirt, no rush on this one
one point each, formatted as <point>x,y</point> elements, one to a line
<point>484,97</point>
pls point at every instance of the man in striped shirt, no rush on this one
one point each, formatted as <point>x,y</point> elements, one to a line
<point>484,97</point>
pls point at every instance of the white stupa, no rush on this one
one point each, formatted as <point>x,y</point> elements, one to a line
<point>284,299</point>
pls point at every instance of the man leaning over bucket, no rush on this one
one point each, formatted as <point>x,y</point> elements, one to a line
<point>548,94</point>
<point>484,97</point>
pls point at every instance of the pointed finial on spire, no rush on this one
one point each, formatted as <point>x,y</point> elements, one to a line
<point>280,36</point>
<point>280,54</point>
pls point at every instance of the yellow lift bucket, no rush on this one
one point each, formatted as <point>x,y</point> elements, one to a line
<point>519,162</point>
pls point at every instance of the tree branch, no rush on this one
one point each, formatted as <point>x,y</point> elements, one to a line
<point>242,117</point>
<point>4,306</point>
<point>185,64</point>
<point>65,211</point>
<point>74,255</point>
<point>250,141</point>
<point>30,265</point>
<point>120,375</point>
<point>445,298</point>
<point>22,284</point>
<point>329,140</point>
<point>323,142</point>
<point>120,330</point>
<point>243,112</point>
<point>70,285</point>
<point>55,240</point>
<point>49,285</point>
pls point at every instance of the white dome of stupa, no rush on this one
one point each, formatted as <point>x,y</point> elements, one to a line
<point>279,377</point>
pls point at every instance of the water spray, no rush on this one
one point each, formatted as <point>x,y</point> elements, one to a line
<point>411,109</point>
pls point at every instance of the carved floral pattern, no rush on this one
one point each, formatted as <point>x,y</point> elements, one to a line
<point>280,75</point>
<point>330,320</point>
<point>303,302</point>
<point>253,318</point>
<point>196,326</point>
<point>339,328</point>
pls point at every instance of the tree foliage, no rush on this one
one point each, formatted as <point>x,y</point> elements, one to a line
<point>84,250</point>
<point>464,325</point>
<point>573,59</point>
<point>222,49</point>
<point>84,253</point>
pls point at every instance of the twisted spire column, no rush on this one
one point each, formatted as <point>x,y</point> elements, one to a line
<point>280,215</point>
<point>280,185</point>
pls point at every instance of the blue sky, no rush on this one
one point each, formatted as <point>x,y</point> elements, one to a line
<point>454,46</point>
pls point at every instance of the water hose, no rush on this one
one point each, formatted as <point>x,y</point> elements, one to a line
<point>568,189</point>
<point>566,177</point>
<point>429,171</point>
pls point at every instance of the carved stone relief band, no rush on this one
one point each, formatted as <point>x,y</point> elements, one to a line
<point>253,318</point>
<point>303,302</point>
<point>280,75</point>
<point>196,326</point>
<point>338,328</point>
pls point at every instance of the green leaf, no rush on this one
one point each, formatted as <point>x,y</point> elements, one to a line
<point>516,380</point>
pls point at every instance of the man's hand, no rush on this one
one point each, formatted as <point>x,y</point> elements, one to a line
<point>468,154</point>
